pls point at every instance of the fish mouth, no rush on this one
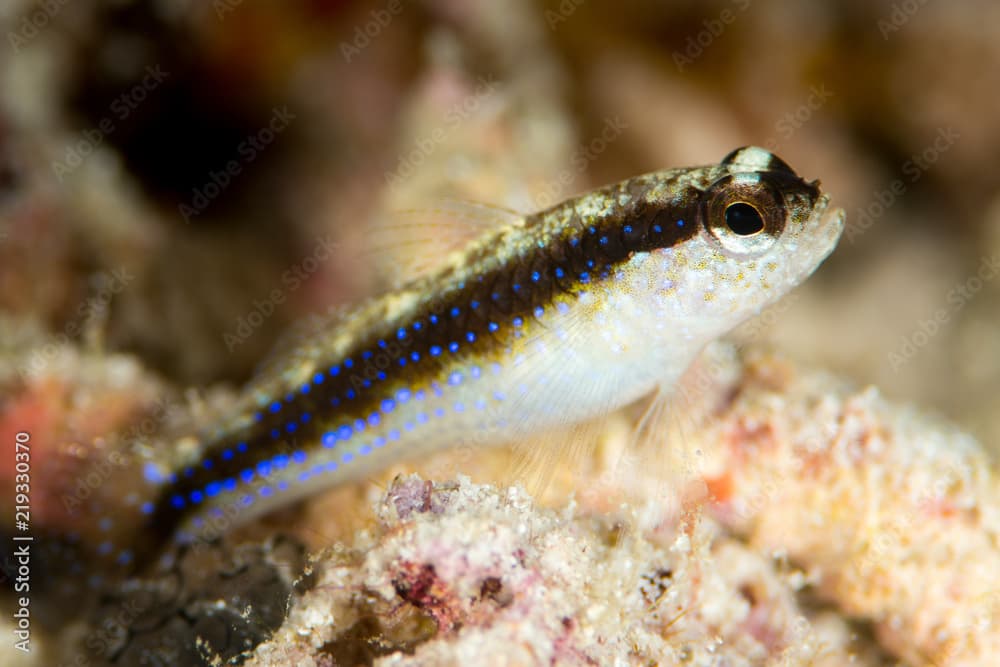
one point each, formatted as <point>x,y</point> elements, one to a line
<point>828,222</point>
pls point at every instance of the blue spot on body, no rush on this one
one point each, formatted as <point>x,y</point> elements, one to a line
<point>152,473</point>
<point>471,337</point>
<point>388,405</point>
<point>439,412</point>
<point>559,272</point>
<point>299,457</point>
<point>453,346</point>
<point>516,287</point>
<point>291,426</point>
<point>275,433</point>
<point>394,434</point>
<point>105,548</point>
<point>104,524</point>
<point>282,485</point>
<point>455,378</point>
<point>475,372</point>
<point>518,322</point>
<point>350,394</point>
<point>275,406</point>
<point>657,229</point>
<point>347,457</point>
<point>574,242</point>
<point>367,354</point>
<point>229,484</point>
<point>305,388</point>
<point>459,407</point>
<point>417,326</point>
<point>680,223</point>
<point>329,439</point>
<point>124,557</point>
<point>226,454</point>
<point>535,276</point>
<point>379,441</point>
<point>348,363</point>
<point>584,277</point>
<point>627,229</point>
<point>247,475</point>
<point>603,240</point>
<point>147,508</point>
<point>344,432</point>
<point>539,311</point>
<point>334,370</point>
<point>280,461</point>
<point>264,468</point>
<point>401,334</point>
<point>422,418</point>
<point>318,378</point>
<point>435,350</point>
<point>433,319</point>
<point>241,447</point>
<point>246,501</point>
<point>304,418</point>
<point>364,450</point>
<point>415,356</point>
<point>177,501</point>
<point>455,311</point>
<point>264,491</point>
<point>474,305</point>
<point>212,489</point>
<point>493,326</point>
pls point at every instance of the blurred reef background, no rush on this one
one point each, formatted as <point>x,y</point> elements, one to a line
<point>183,183</point>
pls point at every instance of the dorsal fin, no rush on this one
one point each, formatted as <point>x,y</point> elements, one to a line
<point>411,243</point>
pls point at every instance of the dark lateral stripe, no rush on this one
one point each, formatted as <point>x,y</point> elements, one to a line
<point>467,311</point>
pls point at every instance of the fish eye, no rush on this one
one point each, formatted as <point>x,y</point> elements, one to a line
<point>744,213</point>
<point>743,219</point>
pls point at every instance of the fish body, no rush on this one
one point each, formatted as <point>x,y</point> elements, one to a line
<point>563,315</point>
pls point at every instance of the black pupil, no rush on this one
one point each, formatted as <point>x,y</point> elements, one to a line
<point>743,219</point>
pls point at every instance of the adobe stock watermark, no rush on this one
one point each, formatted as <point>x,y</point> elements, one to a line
<point>712,28</point>
<point>89,311</point>
<point>378,20</point>
<point>793,120</point>
<point>958,297</point>
<point>225,7</point>
<point>562,13</point>
<point>247,151</point>
<point>426,145</point>
<point>912,171</point>
<point>120,109</point>
<point>291,280</point>
<point>555,188</point>
<point>32,25</point>
<point>901,14</point>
